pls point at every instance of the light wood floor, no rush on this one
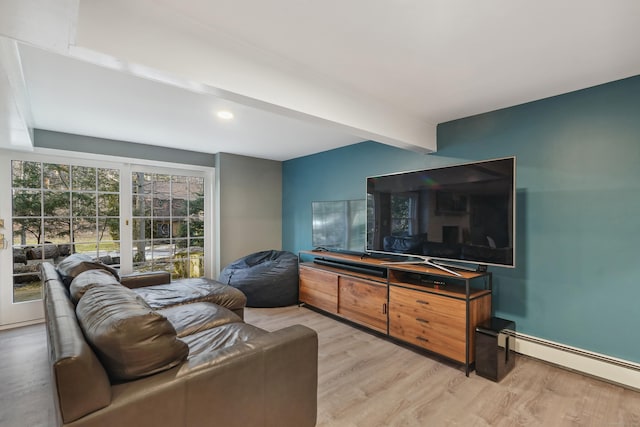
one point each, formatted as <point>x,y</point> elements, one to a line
<point>367,381</point>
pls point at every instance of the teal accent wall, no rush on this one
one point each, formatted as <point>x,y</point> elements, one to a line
<point>577,280</point>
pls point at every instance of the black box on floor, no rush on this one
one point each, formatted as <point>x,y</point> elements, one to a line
<point>494,348</point>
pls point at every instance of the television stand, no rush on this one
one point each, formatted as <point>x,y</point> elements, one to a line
<point>416,303</point>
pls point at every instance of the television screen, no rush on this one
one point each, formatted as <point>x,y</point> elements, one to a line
<point>459,213</point>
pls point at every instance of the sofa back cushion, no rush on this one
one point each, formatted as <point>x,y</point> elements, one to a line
<point>130,338</point>
<point>87,280</point>
<point>81,382</point>
<point>70,267</point>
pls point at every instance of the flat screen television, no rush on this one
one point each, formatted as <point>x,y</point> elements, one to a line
<point>462,213</point>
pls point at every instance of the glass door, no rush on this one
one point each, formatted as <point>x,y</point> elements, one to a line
<point>168,223</point>
<point>56,209</point>
<point>132,217</point>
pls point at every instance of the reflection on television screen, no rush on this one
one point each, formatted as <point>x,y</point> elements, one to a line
<point>458,213</point>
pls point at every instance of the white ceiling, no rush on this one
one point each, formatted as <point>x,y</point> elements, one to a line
<point>441,59</point>
<point>72,96</point>
<point>304,76</point>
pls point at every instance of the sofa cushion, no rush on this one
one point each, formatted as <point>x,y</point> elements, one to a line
<point>70,267</point>
<point>130,338</point>
<point>140,279</point>
<point>88,279</point>
<point>189,319</point>
<point>185,291</point>
<point>224,336</point>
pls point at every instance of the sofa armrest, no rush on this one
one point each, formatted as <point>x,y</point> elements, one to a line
<point>140,280</point>
<point>275,375</point>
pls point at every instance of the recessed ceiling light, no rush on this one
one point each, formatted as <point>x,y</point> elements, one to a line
<point>225,115</point>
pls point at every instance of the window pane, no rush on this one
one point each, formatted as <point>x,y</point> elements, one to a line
<point>109,204</point>
<point>109,229</point>
<point>84,178</point>
<point>161,228</point>
<point>179,195</point>
<point>25,174</point>
<point>160,252</point>
<point>161,204</point>
<point>30,268</point>
<point>196,185</point>
<point>179,207</point>
<point>109,180</point>
<point>196,228</point>
<point>140,250</point>
<point>27,231</point>
<point>84,230</point>
<point>56,203</point>
<point>27,202</point>
<point>89,248</point>
<point>141,205</point>
<point>188,265</point>
<point>161,183</point>
<point>180,227</point>
<point>141,229</point>
<point>181,245</point>
<point>143,266</point>
<point>83,204</point>
<point>57,230</point>
<point>27,286</point>
<point>196,206</point>
<point>196,245</point>
<point>141,183</point>
<point>109,252</point>
<point>47,252</point>
<point>55,177</point>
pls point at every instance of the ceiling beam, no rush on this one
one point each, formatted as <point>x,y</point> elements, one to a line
<point>49,24</point>
<point>176,49</point>
<point>15,111</point>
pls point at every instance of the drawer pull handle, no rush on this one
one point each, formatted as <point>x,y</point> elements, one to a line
<point>384,308</point>
<point>422,320</point>
<point>420,301</point>
<point>422,339</point>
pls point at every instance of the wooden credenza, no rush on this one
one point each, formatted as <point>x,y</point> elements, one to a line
<point>419,305</point>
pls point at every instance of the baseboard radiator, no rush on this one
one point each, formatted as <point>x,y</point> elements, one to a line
<point>614,370</point>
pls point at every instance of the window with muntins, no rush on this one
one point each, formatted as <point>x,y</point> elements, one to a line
<point>168,223</point>
<point>59,209</point>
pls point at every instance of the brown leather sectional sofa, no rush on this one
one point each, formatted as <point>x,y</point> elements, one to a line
<point>170,354</point>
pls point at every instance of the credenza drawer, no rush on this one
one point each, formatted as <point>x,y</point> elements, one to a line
<point>430,339</point>
<point>430,321</point>
<point>434,308</point>
<point>424,325</point>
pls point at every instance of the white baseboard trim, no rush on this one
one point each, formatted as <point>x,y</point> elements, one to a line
<point>20,324</point>
<point>608,368</point>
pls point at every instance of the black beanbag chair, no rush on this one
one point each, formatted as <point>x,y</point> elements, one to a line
<point>267,278</point>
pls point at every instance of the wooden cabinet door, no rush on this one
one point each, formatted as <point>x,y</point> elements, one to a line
<point>319,289</point>
<point>364,302</point>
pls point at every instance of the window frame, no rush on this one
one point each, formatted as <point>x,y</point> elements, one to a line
<point>12,313</point>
